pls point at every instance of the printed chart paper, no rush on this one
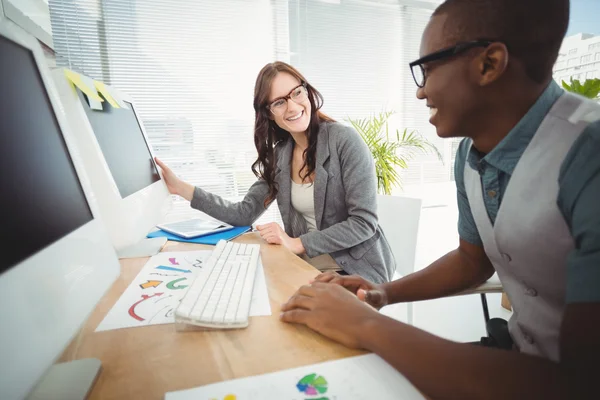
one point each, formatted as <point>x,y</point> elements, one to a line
<point>154,294</point>
<point>366,377</point>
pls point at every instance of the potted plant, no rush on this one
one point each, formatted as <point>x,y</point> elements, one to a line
<point>590,88</point>
<point>391,152</point>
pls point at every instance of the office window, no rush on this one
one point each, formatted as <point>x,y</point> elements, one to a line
<point>597,57</point>
<point>594,46</point>
<point>589,75</point>
<point>571,62</point>
<point>191,66</point>
<point>357,55</point>
<point>572,51</point>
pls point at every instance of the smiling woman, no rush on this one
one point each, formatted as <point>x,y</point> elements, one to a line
<point>321,173</point>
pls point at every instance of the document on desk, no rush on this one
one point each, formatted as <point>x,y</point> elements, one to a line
<point>154,294</point>
<point>366,377</point>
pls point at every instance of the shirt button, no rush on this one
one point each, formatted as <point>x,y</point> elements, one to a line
<point>531,292</point>
<point>506,257</point>
<point>343,263</point>
<point>492,193</point>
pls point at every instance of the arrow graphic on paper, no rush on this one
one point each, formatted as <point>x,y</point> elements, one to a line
<point>173,261</point>
<point>167,268</point>
<point>144,298</point>
<point>150,284</point>
<point>171,285</point>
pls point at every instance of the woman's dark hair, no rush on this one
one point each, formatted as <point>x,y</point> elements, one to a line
<point>267,134</point>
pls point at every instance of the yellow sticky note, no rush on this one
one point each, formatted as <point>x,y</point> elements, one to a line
<point>76,79</point>
<point>106,93</point>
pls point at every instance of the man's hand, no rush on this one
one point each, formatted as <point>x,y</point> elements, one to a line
<point>366,291</point>
<point>274,234</point>
<point>332,311</point>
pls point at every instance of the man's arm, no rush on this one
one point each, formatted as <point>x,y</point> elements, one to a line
<point>461,269</point>
<point>443,369</point>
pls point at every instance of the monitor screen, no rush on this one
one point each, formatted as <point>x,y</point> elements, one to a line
<point>123,145</point>
<point>41,197</point>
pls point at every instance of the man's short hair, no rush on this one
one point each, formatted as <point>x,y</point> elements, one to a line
<point>532,30</point>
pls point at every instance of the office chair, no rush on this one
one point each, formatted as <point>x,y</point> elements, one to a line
<point>496,328</point>
<point>399,219</point>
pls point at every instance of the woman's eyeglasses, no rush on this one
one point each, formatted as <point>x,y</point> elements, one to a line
<point>298,94</point>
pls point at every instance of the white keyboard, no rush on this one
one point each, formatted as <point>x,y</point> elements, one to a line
<point>220,295</point>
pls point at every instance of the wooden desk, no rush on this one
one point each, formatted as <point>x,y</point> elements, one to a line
<point>147,362</point>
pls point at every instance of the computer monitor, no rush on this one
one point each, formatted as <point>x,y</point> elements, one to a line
<point>130,193</point>
<point>57,260</point>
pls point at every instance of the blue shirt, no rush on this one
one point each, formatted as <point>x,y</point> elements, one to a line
<point>578,196</point>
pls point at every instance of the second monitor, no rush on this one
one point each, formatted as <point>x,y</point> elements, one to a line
<point>130,194</point>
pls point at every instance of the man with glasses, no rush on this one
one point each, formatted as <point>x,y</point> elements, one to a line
<point>528,184</point>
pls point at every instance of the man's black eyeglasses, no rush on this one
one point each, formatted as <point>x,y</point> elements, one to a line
<point>416,67</point>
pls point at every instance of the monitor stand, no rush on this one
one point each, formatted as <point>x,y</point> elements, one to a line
<point>68,380</point>
<point>144,248</point>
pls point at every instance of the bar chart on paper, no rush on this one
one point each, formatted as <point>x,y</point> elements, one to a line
<point>366,377</point>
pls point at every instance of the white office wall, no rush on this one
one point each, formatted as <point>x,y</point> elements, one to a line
<point>191,65</point>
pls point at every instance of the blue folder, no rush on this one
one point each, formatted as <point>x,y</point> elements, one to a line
<point>207,239</point>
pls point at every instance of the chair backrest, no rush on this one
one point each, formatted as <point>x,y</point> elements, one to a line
<point>399,219</point>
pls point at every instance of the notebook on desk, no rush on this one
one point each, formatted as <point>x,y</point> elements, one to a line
<point>212,239</point>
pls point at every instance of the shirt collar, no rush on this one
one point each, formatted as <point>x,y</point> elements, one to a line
<point>508,152</point>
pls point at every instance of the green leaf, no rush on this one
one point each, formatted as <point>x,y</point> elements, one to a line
<point>390,154</point>
<point>590,88</point>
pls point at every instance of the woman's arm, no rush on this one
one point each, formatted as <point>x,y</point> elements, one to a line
<point>241,213</point>
<point>238,214</point>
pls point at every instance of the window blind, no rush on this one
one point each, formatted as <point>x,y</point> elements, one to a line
<point>191,67</point>
<point>357,53</point>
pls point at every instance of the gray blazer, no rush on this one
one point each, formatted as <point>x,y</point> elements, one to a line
<point>345,194</point>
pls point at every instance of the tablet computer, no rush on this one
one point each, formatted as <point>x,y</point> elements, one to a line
<point>193,228</point>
